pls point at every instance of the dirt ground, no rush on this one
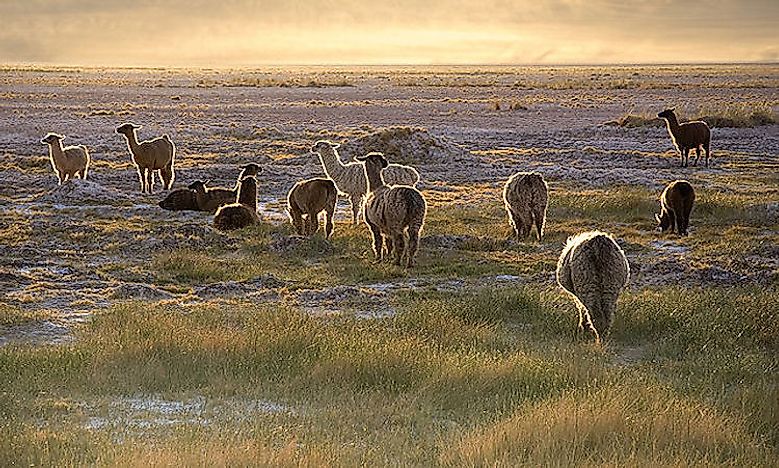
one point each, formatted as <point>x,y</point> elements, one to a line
<point>86,245</point>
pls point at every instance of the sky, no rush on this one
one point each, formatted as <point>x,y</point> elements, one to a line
<point>226,33</point>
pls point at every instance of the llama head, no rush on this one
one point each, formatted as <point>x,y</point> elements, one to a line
<point>373,160</point>
<point>323,145</point>
<point>127,129</point>
<point>198,185</point>
<point>667,114</point>
<point>663,221</point>
<point>250,169</point>
<point>52,138</point>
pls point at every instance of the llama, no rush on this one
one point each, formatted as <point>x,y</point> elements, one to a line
<point>183,199</point>
<point>593,269</point>
<point>306,200</point>
<point>687,136</point>
<point>69,161</point>
<point>250,169</point>
<point>675,206</point>
<point>350,178</point>
<point>210,199</point>
<point>150,156</point>
<point>394,212</point>
<point>243,213</point>
<point>525,197</point>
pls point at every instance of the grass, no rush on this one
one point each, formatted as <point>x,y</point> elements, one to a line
<point>318,81</point>
<point>11,316</point>
<point>485,375</point>
<point>481,248</point>
<point>488,379</point>
<point>512,105</point>
<point>734,115</point>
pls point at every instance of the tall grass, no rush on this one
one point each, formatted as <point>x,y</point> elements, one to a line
<point>488,379</point>
<point>734,115</point>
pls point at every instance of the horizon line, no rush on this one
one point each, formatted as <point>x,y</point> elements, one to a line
<point>377,65</point>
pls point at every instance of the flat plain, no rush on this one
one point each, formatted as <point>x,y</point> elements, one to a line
<point>135,336</point>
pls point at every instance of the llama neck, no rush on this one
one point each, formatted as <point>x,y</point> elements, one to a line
<point>55,149</point>
<point>132,142</point>
<point>247,194</point>
<point>331,162</point>
<point>200,198</point>
<point>673,123</point>
<point>375,179</point>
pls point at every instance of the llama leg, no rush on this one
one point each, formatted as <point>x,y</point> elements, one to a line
<point>142,179</point>
<point>399,246</point>
<point>300,224</point>
<point>151,180</point>
<point>681,226</point>
<point>378,241</point>
<point>593,313</point>
<point>147,173</point>
<point>513,223</point>
<point>313,224</point>
<point>526,224</point>
<point>707,148</point>
<point>413,245</point>
<point>355,201</point>
<point>389,247</point>
<point>604,318</point>
<point>328,224</point>
<point>307,225</point>
<point>315,221</point>
<point>167,175</point>
<point>60,177</point>
<point>518,224</point>
<point>538,217</point>
<point>303,225</point>
<point>697,155</point>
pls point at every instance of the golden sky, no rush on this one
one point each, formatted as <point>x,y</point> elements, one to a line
<point>225,33</point>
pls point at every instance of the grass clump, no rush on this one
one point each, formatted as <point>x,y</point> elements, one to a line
<point>12,316</point>
<point>512,105</point>
<point>619,425</point>
<point>731,115</point>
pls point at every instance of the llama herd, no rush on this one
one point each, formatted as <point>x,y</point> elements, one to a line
<point>592,268</point>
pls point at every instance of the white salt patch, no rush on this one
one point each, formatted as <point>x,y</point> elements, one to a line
<point>669,247</point>
<point>507,278</point>
<point>143,413</point>
<point>376,314</point>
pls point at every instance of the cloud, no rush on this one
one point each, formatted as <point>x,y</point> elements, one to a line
<point>231,32</point>
<point>22,49</point>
